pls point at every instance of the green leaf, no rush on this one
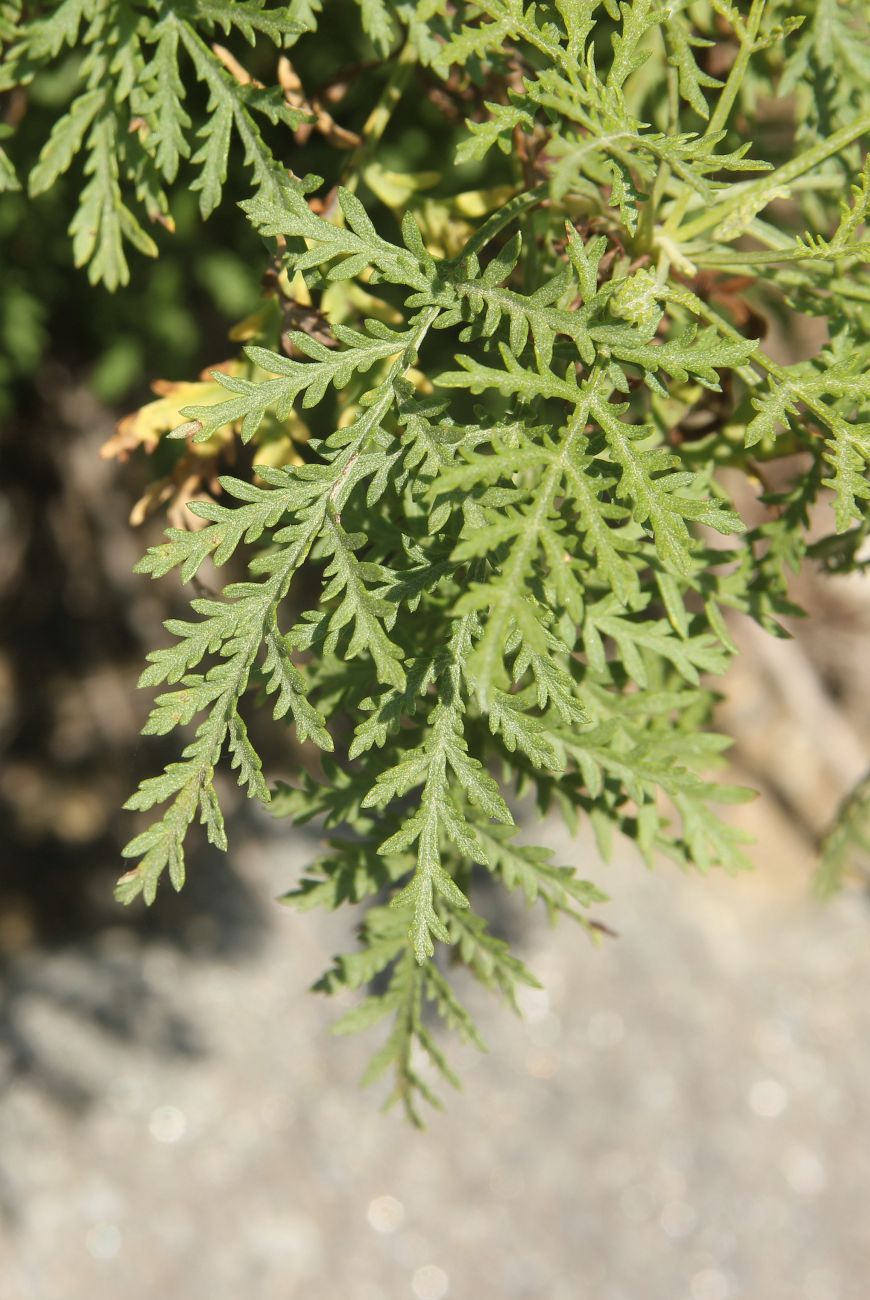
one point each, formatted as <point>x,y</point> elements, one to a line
<point>494,425</point>
<point>65,141</point>
<point>378,23</point>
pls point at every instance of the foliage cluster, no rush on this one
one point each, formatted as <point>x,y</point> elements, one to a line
<point>520,448</point>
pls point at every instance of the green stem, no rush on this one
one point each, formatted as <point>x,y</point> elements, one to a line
<point>783,176</point>
<point>726,100</point>
<point>646,228</point>
<point>732,85</point>
<point>774,256</point>
<point>378,119</point>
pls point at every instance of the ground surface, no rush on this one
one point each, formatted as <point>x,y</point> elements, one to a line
<point>682,1117</point>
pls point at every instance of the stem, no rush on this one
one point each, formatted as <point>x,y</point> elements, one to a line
<point>648,213</point>
<point>784,175</point>
<point>378,119</point>
<point>774,256</point>
<point>734,81</point>
<point>725,101</point>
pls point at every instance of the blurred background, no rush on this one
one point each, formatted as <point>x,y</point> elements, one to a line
<point>682,1113</point>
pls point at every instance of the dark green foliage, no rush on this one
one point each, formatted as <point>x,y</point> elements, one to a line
<point>128,119</point>
<point>511,511</point>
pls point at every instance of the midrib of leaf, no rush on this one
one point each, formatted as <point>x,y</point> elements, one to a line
<point>266,169</point>
<point>485,663</point>
<point>429,875</point>
<point>294,377</point>
<point>183,809</point>
<point>557,320</point>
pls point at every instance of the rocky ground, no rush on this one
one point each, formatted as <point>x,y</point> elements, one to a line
<point>682,1116</point>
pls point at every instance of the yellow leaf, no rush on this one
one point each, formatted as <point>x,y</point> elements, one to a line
<point>145,427</point>
<point>395,189</point>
